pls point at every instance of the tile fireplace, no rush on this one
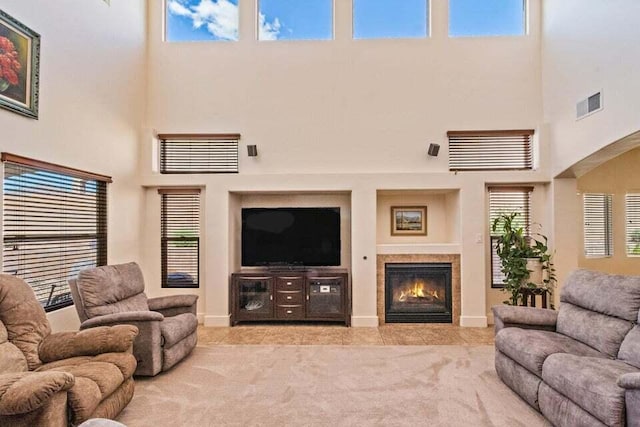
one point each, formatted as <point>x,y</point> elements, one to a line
<point>418,293</point>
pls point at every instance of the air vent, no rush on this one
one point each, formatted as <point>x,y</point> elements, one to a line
<point>589,106</point>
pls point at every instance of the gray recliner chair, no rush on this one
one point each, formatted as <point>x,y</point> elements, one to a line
<point>114,294</point>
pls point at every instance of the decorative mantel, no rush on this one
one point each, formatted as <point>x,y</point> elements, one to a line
<point>453,259</point>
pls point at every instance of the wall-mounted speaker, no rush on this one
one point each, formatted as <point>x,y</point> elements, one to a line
<point>252,150</point>
<point>433,149</point>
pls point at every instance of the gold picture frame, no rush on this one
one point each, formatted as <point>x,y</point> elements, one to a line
<point>408,220</point>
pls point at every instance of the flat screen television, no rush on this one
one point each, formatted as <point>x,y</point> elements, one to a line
<point>290,237</point>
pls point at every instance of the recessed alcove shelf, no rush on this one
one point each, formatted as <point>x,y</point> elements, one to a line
<point>418,248</point>
<point>443,221</point>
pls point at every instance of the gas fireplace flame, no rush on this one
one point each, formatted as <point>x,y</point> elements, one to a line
<point>418,290</point>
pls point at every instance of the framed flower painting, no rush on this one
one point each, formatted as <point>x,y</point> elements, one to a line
<point>19,67</point>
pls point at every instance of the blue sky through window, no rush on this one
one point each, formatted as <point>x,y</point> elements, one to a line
<point>197,20</point>
<point>390,19</point>
<point>486,18</point>
<point>295,20</point>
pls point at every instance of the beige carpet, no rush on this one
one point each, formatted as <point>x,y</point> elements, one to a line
<point>330,386</point>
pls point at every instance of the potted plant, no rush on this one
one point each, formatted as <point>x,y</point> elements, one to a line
<point>526,261</point>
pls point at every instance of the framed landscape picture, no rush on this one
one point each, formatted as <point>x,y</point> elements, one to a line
<point>19,66</point>
<point>408,220</point>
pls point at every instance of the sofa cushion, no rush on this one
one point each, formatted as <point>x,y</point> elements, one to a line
<point>125,362</point>
<point>23,317</point>
<point>112,289</point>
<point>530,347</point>
<point>630,348</point>
<point>590,383</point>
<point>176,328</point>
<point>609,294</point>
<point>11,358</point>
<point>602,332</point>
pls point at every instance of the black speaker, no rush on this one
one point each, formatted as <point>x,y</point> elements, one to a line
<point>433,149</point>
<point>252,150</point>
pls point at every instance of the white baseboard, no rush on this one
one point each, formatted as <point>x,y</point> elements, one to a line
<point>473,321</point>
<point>200,317</point>
<point>364,321</point>
<point>217,320</point>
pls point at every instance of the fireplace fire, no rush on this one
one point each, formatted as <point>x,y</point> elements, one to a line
<point>418,293</point>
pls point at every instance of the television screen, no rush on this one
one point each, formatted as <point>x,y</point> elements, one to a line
<point>290,236</point>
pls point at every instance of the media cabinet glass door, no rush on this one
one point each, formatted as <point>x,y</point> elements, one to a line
<point>325,297</point>
<point>255,298</point>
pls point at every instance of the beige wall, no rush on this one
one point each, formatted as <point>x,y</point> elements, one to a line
<point>618,177</point>
<point>92,94</point>
<point>347,116</point>
<point>589,46</point>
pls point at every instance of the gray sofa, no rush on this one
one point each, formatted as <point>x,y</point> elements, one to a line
<point>579,366</point>
<point>114,294</point>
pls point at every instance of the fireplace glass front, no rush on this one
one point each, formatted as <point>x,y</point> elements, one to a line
<point>418,293</point>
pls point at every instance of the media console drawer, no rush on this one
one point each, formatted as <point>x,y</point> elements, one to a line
<point>316,294</point>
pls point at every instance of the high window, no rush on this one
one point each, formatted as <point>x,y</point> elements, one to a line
<point>55,224</point>
<point>490,150</point>
<point>295,19</point>
<point>201,20</point>
<point>632,218</point>
<point>198,153</point>
<point>505,201</point>
<point>487,18</point>
<point>180,254</point>
<point>598,227</point>
<point>390,19</point>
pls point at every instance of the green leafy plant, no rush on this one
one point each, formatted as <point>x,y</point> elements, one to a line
<point>514,247</point>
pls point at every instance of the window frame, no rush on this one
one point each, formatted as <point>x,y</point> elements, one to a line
<point>525,25</point>
<point>607,225</point>
<point>631,216</point>
<point>165,239</point>
<point>527,191</point>
<point>464,156</point>
<point>41,224</point>
<point>173,161</point>
<point>427,22</point>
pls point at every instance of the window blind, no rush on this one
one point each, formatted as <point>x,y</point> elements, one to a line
<point>503,201</point>
<point>490,150</point>
<point>55,224</point>
<point>215,153</point>
<point>632,213</point>
<point>180,218</point>
<point>598,234</point>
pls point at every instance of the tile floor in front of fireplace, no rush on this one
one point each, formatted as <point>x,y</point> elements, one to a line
<point>395,334</point>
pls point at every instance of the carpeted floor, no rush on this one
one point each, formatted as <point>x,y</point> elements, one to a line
<point>269,385</point>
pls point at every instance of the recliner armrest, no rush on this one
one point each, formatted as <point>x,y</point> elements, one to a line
<point>23,392</point>
<point>526,317</point>
<point>172,301</point>
<point>122,318</point>
<point>88,342</point>
<point>630,381</point>
<point>174,304</point>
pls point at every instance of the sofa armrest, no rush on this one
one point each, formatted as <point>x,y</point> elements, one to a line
<point>23,392</point>
<point>174,304</point>
<point>525,317</point>
<point>122,318</point>
<point>89,342</point>
<point>630,381</point>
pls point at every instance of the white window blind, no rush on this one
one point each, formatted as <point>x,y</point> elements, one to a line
<point>202,153</point>
<point>598,234</point>
<point>490,150</point>
<point>504,201</point>
<point>632,218</point>
<point>55,224</point>
<point>180,253</point>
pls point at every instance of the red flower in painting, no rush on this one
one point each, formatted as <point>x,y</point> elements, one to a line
<point>9,65</point>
